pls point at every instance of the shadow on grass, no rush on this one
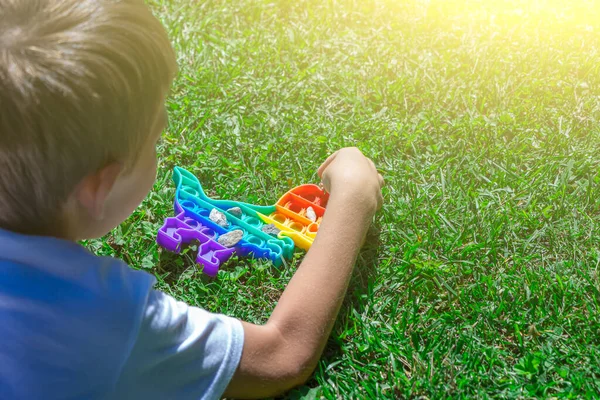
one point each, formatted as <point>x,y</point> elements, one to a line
<point>173,267</point>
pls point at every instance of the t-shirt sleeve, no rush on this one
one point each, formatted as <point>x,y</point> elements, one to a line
<point>181,352</point>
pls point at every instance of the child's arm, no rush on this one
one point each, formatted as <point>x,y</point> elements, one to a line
<point>283,353</point>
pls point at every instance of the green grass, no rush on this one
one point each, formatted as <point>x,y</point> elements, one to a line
<point>484,117</point>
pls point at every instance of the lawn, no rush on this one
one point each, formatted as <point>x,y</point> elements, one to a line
<point>481,274</point>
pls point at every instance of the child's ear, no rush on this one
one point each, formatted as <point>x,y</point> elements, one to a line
<point>95,188</point>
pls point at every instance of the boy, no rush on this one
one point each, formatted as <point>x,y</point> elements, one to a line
<point>82,91</point>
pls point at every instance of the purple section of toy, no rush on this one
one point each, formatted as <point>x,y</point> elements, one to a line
<point>181,229</point>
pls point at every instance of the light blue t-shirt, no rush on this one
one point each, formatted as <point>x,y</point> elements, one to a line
<point>77,326</point>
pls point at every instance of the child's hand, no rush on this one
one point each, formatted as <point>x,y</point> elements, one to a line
<point>349,172</point>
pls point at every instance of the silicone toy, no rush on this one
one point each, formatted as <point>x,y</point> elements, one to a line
<point>191,222</point>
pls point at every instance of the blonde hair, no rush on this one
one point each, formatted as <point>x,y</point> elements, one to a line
<point>80,83</point>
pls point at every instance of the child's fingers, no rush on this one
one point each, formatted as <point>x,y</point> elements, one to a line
<point>379,201</point>
<point>381,180</point>
<point>325,164</point>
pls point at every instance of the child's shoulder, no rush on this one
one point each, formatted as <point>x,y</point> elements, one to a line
<point>66,312</point>
<point>61,274</point>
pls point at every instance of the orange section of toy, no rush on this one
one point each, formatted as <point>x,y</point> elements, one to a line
<point>293,217</point>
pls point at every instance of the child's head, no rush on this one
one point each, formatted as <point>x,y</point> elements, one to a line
<point>82,90</point>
